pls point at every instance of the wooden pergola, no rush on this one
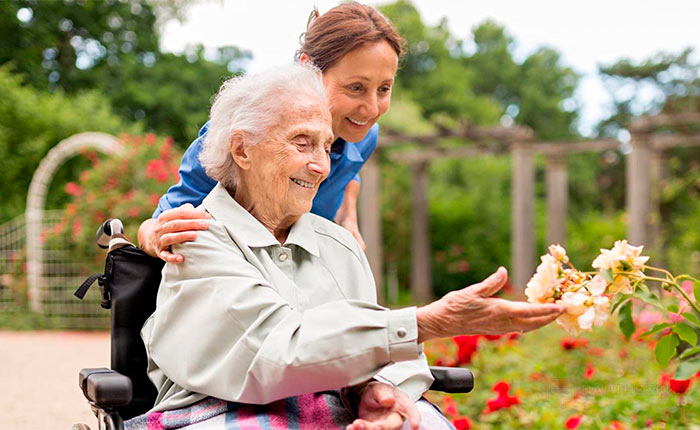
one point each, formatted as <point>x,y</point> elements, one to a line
<point>644,166</point>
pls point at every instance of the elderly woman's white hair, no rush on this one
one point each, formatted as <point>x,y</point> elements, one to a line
<point>253,104</point>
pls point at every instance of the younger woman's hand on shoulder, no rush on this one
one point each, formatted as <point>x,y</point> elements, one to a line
<point>173,226</point>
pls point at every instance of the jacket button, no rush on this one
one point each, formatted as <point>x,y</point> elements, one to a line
<point>401,332</point>
<point>283,257</point>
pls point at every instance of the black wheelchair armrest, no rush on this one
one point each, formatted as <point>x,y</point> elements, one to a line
<point>452,379</point>
<point>104,387</point>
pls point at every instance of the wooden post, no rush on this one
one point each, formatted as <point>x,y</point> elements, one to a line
<point>638,189</point>
<point>523,214</point>
<point>557,196</point>
<point>421,257</point>
<point>371,219</point>
<point>655,241</point>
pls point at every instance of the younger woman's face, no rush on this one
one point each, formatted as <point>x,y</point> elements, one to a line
<point>359,88</point>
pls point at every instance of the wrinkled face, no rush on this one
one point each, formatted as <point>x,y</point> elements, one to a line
<point>290,162</point>
<point>359,88</point>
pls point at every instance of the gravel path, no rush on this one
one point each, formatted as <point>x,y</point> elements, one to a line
<point>39,378</point>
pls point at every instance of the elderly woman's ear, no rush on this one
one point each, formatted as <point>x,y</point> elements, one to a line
<point>239,149</point>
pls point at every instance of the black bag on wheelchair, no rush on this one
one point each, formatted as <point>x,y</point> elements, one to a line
<point>128,287</point>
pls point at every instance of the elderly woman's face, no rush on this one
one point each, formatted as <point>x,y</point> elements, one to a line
<point>359,88</point>
<point>291,161</point>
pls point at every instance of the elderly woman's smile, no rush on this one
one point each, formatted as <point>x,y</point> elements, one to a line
<point>279,176</point>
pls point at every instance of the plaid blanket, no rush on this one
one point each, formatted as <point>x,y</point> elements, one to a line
<point>306,412</point>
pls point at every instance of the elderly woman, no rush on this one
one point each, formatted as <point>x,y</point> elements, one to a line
<point>272,316</point>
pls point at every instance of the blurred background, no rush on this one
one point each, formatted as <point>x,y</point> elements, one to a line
<point>145,71</point>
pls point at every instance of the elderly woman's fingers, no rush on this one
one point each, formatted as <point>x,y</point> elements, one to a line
<point>491,285</point>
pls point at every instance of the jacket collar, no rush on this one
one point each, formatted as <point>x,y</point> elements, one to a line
<point>224,208</point>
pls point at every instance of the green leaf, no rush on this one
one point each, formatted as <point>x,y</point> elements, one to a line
<point>672,308</point>
<point>649,297</point>
<point>642,286</point>
<point>666,349</point>
<point>696,291</point>
<point>692,318</point>
<point>607,274</point>
<point>690,351</point>
<point>625,320</point>
<point>617,301</point>
<point>686,332</point>
<point>687,369</point>
<point>656,328</point>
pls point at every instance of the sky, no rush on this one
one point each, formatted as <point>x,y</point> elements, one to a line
<point>585,33</point>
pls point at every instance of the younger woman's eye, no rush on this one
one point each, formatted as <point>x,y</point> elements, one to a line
<point>355,88</point>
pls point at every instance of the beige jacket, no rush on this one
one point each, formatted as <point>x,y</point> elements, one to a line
<point>246,319</point>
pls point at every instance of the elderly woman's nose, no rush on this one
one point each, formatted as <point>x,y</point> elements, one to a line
<point>320,164</point>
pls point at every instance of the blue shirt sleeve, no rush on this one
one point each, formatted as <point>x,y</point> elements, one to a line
<point>194,183</point>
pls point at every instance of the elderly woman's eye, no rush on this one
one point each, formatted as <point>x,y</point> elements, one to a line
<point>384,89</point>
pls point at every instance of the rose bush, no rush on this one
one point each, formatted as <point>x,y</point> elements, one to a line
<point>126,186</point>
<point>620,282</point>
<point>599,381</point>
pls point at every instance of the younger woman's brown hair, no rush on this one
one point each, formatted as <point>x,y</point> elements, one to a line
<point>330,36</point>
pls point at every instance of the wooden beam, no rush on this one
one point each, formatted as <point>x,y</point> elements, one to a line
<point>645,124</point>
<point>371,220</point>
<point>421,255</point>
<point>567,148</point>
<point>678,140</point>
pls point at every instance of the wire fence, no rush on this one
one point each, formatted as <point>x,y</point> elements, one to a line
<point>60,277</point>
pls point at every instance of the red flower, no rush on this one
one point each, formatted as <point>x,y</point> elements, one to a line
<point>590,371</point>
<point>594,350</point>
<point>616,425</point>
<point>462,423</point>
<point>74,189</point>
<point>679,386</point>
<point>503,400</point>
<point>466,347</point>
<point>450,406</point>
<point>573,422</point>
<point>492,336</point>
<point>664,379</point>
<point>573,343</point>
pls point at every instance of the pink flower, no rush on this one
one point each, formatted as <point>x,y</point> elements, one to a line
<point>73,189</point>
<point>573,422</point>
<point>540,289</point>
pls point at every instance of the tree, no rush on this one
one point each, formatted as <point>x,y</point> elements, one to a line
<point>31,123</point>
<point>113,46</point>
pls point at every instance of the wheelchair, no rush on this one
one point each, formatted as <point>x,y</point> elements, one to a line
<point>128,288</point>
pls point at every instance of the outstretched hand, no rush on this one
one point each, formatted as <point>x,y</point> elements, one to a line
<point>384,407</point>
<point>472,310</point>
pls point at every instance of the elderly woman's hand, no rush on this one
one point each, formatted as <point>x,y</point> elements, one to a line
<point>472,310</point>
<point>384,407</point>
<point>173,226</point>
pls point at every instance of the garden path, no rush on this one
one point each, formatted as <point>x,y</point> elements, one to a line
<point>39,377</point>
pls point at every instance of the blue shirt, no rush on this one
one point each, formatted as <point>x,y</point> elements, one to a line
<point>347,158</point>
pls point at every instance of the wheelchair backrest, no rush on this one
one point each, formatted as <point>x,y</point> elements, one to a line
<point>131,279</point>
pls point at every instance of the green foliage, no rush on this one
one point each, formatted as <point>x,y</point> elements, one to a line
<point>469,220</point>
<point>31,122</point>
<point>451,84</point>
<point>113,46</point>
<point>125,186</point>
